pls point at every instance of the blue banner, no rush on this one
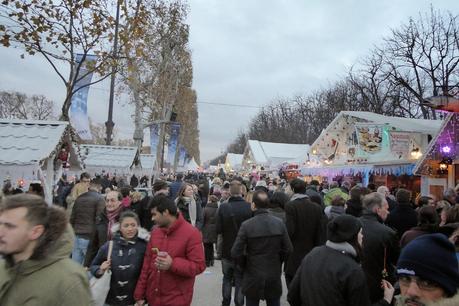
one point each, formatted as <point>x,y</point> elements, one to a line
<point>79,108</point>
<point>154,140</point>
<point>182,156</point>
<point>174,130</point>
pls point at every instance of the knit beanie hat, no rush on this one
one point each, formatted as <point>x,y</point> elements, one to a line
<point>431,257</point>
<point>343,228</point>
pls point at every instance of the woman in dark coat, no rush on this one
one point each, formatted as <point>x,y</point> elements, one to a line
<point>189,205</point>
<point>342,280</point>
<point>129,245</point>
<point>209,230</point>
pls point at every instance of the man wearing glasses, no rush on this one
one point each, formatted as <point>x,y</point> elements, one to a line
<point>428,271</point>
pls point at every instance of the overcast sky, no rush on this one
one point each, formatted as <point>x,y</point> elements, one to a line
<point>247,52</point>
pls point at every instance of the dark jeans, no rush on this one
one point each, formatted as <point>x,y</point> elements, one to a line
<point>231,272</point>
<point>209,252</point>
<point>254,302</point>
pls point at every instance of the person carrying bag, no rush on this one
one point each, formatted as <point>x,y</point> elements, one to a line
<point>101,285</point>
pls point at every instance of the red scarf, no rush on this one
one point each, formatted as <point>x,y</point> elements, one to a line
<point>112,219</point>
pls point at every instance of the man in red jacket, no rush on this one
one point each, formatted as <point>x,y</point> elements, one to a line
<point>174,257</point>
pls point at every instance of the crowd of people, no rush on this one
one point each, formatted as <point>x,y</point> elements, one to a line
<point>335,244</point>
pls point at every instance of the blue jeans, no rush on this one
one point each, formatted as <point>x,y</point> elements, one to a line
<point>231,272</point>
<point>255,302</point>
<point>79,249</point>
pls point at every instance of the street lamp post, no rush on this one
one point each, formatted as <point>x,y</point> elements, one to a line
<point>110,124</point>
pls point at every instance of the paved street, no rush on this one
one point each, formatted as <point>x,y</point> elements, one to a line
<point>207,290</point>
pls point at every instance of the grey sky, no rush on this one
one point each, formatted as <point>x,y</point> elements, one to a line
<point>247,52</point>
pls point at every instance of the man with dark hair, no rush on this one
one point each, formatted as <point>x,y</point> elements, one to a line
<point>267,245</point>
<point>83,219</point>
<point>173,259</point>
<point>380,244</point>
<point>160,187</point>
<point>305,222</point>
<point>35,242</point>
<point>403,217</point>
<point>230,216</point>
<point>175,186</point>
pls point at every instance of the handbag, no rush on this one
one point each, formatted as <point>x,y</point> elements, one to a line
<point>100,286</point>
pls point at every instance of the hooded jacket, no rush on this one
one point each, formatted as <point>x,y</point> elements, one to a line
<point>173,287</point>
<point>54,280</point>
<point>126,262</point>
<point>342,281</point>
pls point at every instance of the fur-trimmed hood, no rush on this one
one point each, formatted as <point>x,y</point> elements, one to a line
<point>142,233</point>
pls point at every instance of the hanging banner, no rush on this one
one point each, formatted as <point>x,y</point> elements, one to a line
<point>182,156</point>
<point>369,137</point>
<point>174,130</point>
<point>154,140</point>
<point>400,143</point>
<point>79,108</point>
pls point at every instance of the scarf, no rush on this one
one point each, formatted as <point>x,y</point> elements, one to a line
<point>112,219</point>
<point>192,209</point>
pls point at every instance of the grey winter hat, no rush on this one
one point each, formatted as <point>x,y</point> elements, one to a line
<point>343,228</point>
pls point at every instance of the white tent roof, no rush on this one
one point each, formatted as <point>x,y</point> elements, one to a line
<point>267,152</point>
<point>192,165</point>
<point>423,126</point>
<point>29,142</point>
<point>147,161</point>
<point>404,124</point>
<point>109,157</point>
<point>234,159</point>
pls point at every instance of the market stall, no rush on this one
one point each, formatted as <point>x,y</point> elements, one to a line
<point>271,155</point>
<point>36,150</point>
<point>113,160</point>
<point>365,147</point>
<point>439,167</point>
<point>233,162</point>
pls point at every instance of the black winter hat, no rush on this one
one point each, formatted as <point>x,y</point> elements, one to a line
<point>431,257</point>
<point>343,228</point>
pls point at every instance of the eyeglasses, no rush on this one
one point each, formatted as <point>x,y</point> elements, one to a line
<point>423,284</point>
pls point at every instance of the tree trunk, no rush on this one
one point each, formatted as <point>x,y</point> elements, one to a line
<point>66,106</point>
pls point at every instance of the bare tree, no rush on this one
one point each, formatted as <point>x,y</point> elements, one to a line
<point>423,55</point>
<point>20,106</point>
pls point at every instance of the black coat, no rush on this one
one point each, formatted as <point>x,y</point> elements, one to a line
<point>376,238</point>
<point>98,238</point>
<point>84,212</point>
<point>402,218</point>
<point>341,283</point>
<point>306,223</point>
<point>127,259</point>
<point>142,209</point>
<point>209,229</point>
<point>262,244</point>
<point>240,209</point>
<point>354,208</point>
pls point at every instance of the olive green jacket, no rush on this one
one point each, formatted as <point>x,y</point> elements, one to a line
<point>52,281</point>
